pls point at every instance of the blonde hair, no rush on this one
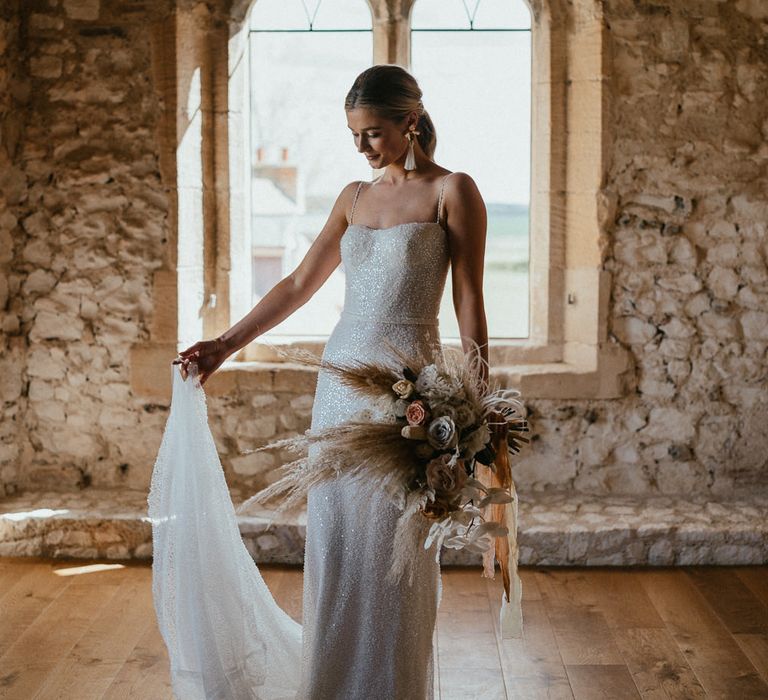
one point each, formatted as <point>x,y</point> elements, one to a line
<point>393,93</point>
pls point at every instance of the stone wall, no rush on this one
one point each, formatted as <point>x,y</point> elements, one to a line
<point>688,254</point>
<point>13,91</point>
<point>85,223</point>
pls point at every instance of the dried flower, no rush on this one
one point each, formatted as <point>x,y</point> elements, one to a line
<point>464,415</point>
<point>414,432</point>
<point>443,410</point>
<point>477,440</point>
<point>446,475</point>
<point>403,388</point>
<point>416,413</point>
<point>442,433</point>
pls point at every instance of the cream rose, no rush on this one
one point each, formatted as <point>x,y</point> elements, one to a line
<point>403,388</point>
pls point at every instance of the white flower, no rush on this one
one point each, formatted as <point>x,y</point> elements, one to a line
<point>384,408</point>
<point>364,415</point>
<point>428,381</point>
<point>400,407</point>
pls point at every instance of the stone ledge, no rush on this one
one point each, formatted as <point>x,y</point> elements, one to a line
<point>593,373</point>
<point>601,378</point>
<point>556,529</point>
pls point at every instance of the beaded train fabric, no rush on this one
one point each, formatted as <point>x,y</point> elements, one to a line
<point>361,635</point>
<point>226,636</point>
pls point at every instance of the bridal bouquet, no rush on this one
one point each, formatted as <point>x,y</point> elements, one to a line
<point>433,434</point>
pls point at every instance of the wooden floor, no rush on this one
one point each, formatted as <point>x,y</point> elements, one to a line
<point>70,630</point>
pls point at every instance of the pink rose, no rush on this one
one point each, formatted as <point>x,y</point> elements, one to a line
<point>416,413</point>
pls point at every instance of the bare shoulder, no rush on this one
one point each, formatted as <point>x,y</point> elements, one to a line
<point>347,193</point>
<point>462,196</point>
<point>352,186</point>
<point>460,182</point>
<point>343,205</point>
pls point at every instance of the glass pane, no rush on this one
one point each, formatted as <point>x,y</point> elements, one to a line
<point>303,155</point>
<point>439,14</point>
<point>343,14</point>
<point>278,14</point>
<point>456,14</point>
<point>502,14</point>
<point>323,14</point>
<point>477,89</point>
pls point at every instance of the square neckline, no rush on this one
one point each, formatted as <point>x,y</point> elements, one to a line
<point>406,223</point>
<point>350,223</point>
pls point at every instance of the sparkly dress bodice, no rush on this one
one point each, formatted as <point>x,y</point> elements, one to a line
<point>395,274</point>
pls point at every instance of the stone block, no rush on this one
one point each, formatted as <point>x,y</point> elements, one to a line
<point>150,370</point>
<point>82,9</point>
<point>50,325</point>
<point>633,330</point>
<point>755,325</point>
<point>46,67</point>
<point>253,464</point>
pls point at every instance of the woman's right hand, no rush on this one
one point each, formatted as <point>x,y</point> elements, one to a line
<point>208,355</point>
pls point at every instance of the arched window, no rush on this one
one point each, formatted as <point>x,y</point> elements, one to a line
<point>473,62</point>
<point>303,56</point>
<point>568,351</point>
<point>520,95</point>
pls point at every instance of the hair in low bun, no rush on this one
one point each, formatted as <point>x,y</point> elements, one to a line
<point>393,93</point>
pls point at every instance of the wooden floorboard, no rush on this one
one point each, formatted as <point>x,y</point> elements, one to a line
<point>710,649</point>
<point>589,633</point>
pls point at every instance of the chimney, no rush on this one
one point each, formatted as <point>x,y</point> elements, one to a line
<point>285,154</point>
<point>260,154</point>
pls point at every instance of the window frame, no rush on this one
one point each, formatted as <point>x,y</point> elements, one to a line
<point>568,353</point>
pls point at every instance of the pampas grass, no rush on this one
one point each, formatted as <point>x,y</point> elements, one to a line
<point>377,449</point>
<point>354,448</point>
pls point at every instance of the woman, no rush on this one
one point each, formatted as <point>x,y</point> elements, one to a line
<point>363,637</point>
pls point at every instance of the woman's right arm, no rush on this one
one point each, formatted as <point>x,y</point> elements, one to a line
<point>289,294</point>
<point>295,290</point>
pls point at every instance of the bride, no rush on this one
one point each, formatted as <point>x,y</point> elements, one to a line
<point>361,636</point>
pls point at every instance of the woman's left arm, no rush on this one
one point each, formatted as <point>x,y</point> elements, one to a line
<point>466,223</point>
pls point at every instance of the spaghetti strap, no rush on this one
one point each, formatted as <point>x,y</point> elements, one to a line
<point>440,200</point>
<point>354,202</point>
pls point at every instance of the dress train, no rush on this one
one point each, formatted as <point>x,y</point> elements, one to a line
<point>227,638</point>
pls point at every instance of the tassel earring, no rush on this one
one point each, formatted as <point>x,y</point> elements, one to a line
<point>410,159</point>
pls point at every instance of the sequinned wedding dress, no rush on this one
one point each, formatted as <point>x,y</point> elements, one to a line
<point>361,637</point>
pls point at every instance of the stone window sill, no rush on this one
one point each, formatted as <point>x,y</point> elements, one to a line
<point>600,373</point>
<point>588,372</point>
